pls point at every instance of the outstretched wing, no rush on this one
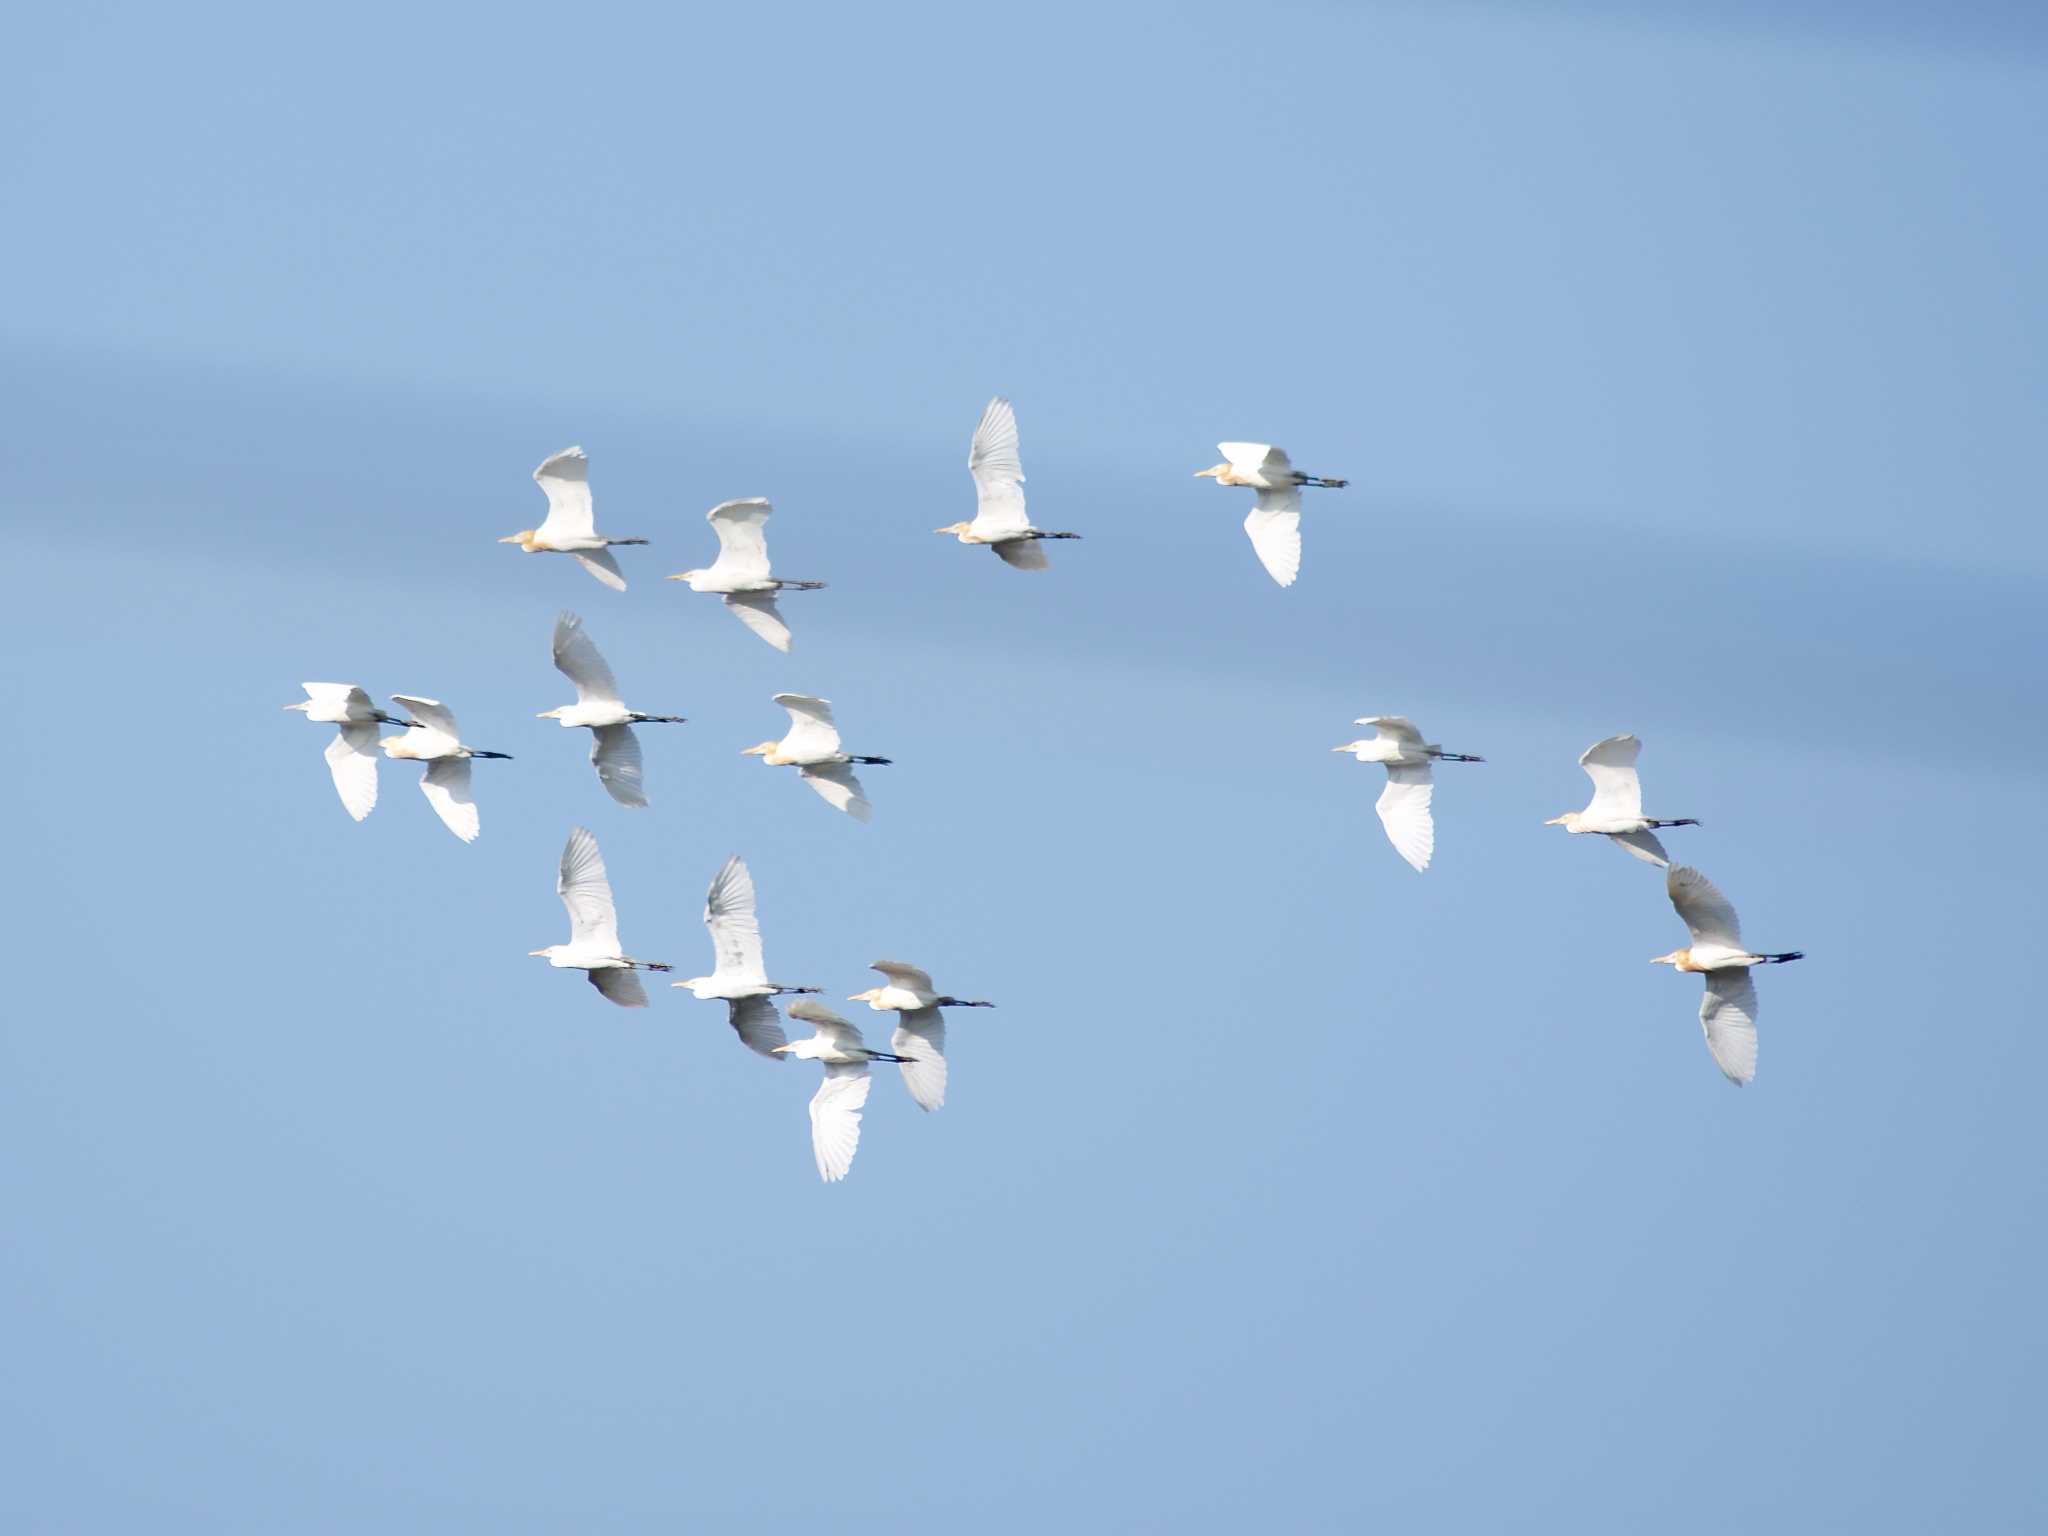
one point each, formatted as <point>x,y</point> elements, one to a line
<point>565,479</point>
<point>756,1022</point>
<point>835,1117</point>
<point>1611,765</point>
<point>593,920</point>
<point>446,786</point>
<point>334,703</point>
<point>811,1011</point>
<point>615,754</point>
<point>905,975</point>
<point>352,762</point>
<point>1257,460</point>
<point>436,721</point>
<point>1274,526</point>
<point>1644,845</point>
<point>577,658</point>
<point>1404,811</point>
<point>998,474</point>
<point>839,789</point>
<point>1022,554</point>
<point>758,612</point>
<point>1395,728</point>
<point>812,730</point>
<point>921,1035</point>
<point>621,986</point>
<point>735,929</point>
<point>1708,916</point>
<point>601,564</point>
<point>1728,1015</point>
<point>742,540</point>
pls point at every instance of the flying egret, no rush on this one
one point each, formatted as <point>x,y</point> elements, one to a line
<point>836,1106</point>
<point>741,570</point>
<point>812,748</point>
<point>1274,522</point>
<point>740,977</point>
<point>571,526</point>
<point>594,927</point>
<point>352,755</point>
<point>614,749</point>
<point>999,520</point>
<point>1728,1011</point>
<point>908,988</point>
<point>1404,804</point>
<point>1616,808</point>
<point>438,744</point>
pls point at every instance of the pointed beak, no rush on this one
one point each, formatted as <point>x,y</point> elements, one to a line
<point>532,953</point>
<point>1345,748</point>
<point>778,1049</point>
<point>1204,474</point>
<point>513,539</point>
<point>1555,821</point>
<point>297,706</point>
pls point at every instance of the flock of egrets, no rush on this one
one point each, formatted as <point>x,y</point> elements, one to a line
<point>742,577</point>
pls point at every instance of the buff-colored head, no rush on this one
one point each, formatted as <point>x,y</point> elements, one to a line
<point>867,997</point>
<point>1569,821</point>
<point>527,539</point>
<point>760,749</point>
<point>551,714</point>
<point>1220,473</point>
<point>958,530</point>
<point>1678,960</point>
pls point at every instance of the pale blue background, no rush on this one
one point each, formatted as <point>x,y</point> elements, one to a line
<point>1687,366</point>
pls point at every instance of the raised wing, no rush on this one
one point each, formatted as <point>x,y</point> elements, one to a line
<point>1404,811</point>
<point>593,920</point>
<point>757,1024</point>
<point>446,786</point>
<point>812,730</point>
<point>1708,916</point>
<point>812,1011</point>
<point>1611,765</point>
<point>905,975</point>
<point>839,789</point>
<point>436,720</point>
<point>998,473</point>
<point>621,986</point>
<point>921,1035</point>
<point>352,761</point>
<point>1274,527</point>
<point>1728,1015</point>
<point>1262,460</point>
<point>1644,845</point>
<point>1022,554</point>
<point>565,479</point>
<point>758,612</point>
<point>615,754</point>
<point>577,658</point>
<point>1396,728</point>
<point>835,1118</point>
<point>742,540</point>
<point>334,703</point>
<point>735,930</point>
<point>603,565</point>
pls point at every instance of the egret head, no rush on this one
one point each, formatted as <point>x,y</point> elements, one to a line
<point>1349,746</point>
<point>1677,959</point>
<point>526,538</point>
<point>543,954</point>
<point>302,704</point>
<point>1569,821</point>
<point>867,997</point>
<point>693,983</point>
<point>761,749</point>
<point>684,576</point>
<point>551,714</point>
<point>779,1049</point>
<point>1218,472</point>
<point>957,529</point>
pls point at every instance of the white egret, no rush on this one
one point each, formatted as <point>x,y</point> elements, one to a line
<point>614,749</point>
<point>352,755</point>
<point>1728,1011</point>
<point>571,526</point>
<point>1404,804</point>
<point>908,988</point>
<point>836,1106</point>
<point>999,520</point>
<point>740,976</point>
<point>1274,522</point>
<point>438,744</point>
<point>812,748</point>
<point>594,927</point>
<point>920,1035</point>
<point>741,570</point>
<point>1616,809</point>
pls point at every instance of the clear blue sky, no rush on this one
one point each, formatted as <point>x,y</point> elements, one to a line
<point>1686,364</point>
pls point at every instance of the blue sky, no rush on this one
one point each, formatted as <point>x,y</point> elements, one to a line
<point>1686,369</point>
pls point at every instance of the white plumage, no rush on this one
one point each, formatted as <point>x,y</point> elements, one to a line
<point>1728,1008</point>
<point>571,524</point>
<point>1616,809</point>
<point>1274,522</point>
<point>614,749</point>
<point>920,1036</point>
<point>836,1107</point>
<point>352,755</point>
<point>1404,805</point>
<point>1000,521</point>
<point>812,748</point>
<point>437,742</point>
<point>593,945</point>
<point>741,573</point>
<point>739,974</point>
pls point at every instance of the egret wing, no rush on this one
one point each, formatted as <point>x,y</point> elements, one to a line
<point>1708,916</point>
<point>998,472</point>
<point>336,703</point>
<point>735,929</point>
<point>1644,845</point>
<point>1274,526</point>
<point>1728,1015</point>
<point>577,658</point>
<point>446,786</point>
<point>811,1011</point>
<point>835,1117</point>
<point>620,985</point>
<point>1022,554</point>
<point>921,1035</point>
<point>352,761</point>
<point>1395,728</point>
<point>905,975</point>
<point>615,754</point>
<point>742,540</point>
<point>1404,811</point>
<point>839,789</point>
<point>758,612</point>
<point>602,564</point>
<point>436,721</point>
<point>1258,459</point>
<point>593,920</point>
<point>812,730</point>
<point>1611,765</point>
<point>756,1022</point>
<point>565,479</point>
